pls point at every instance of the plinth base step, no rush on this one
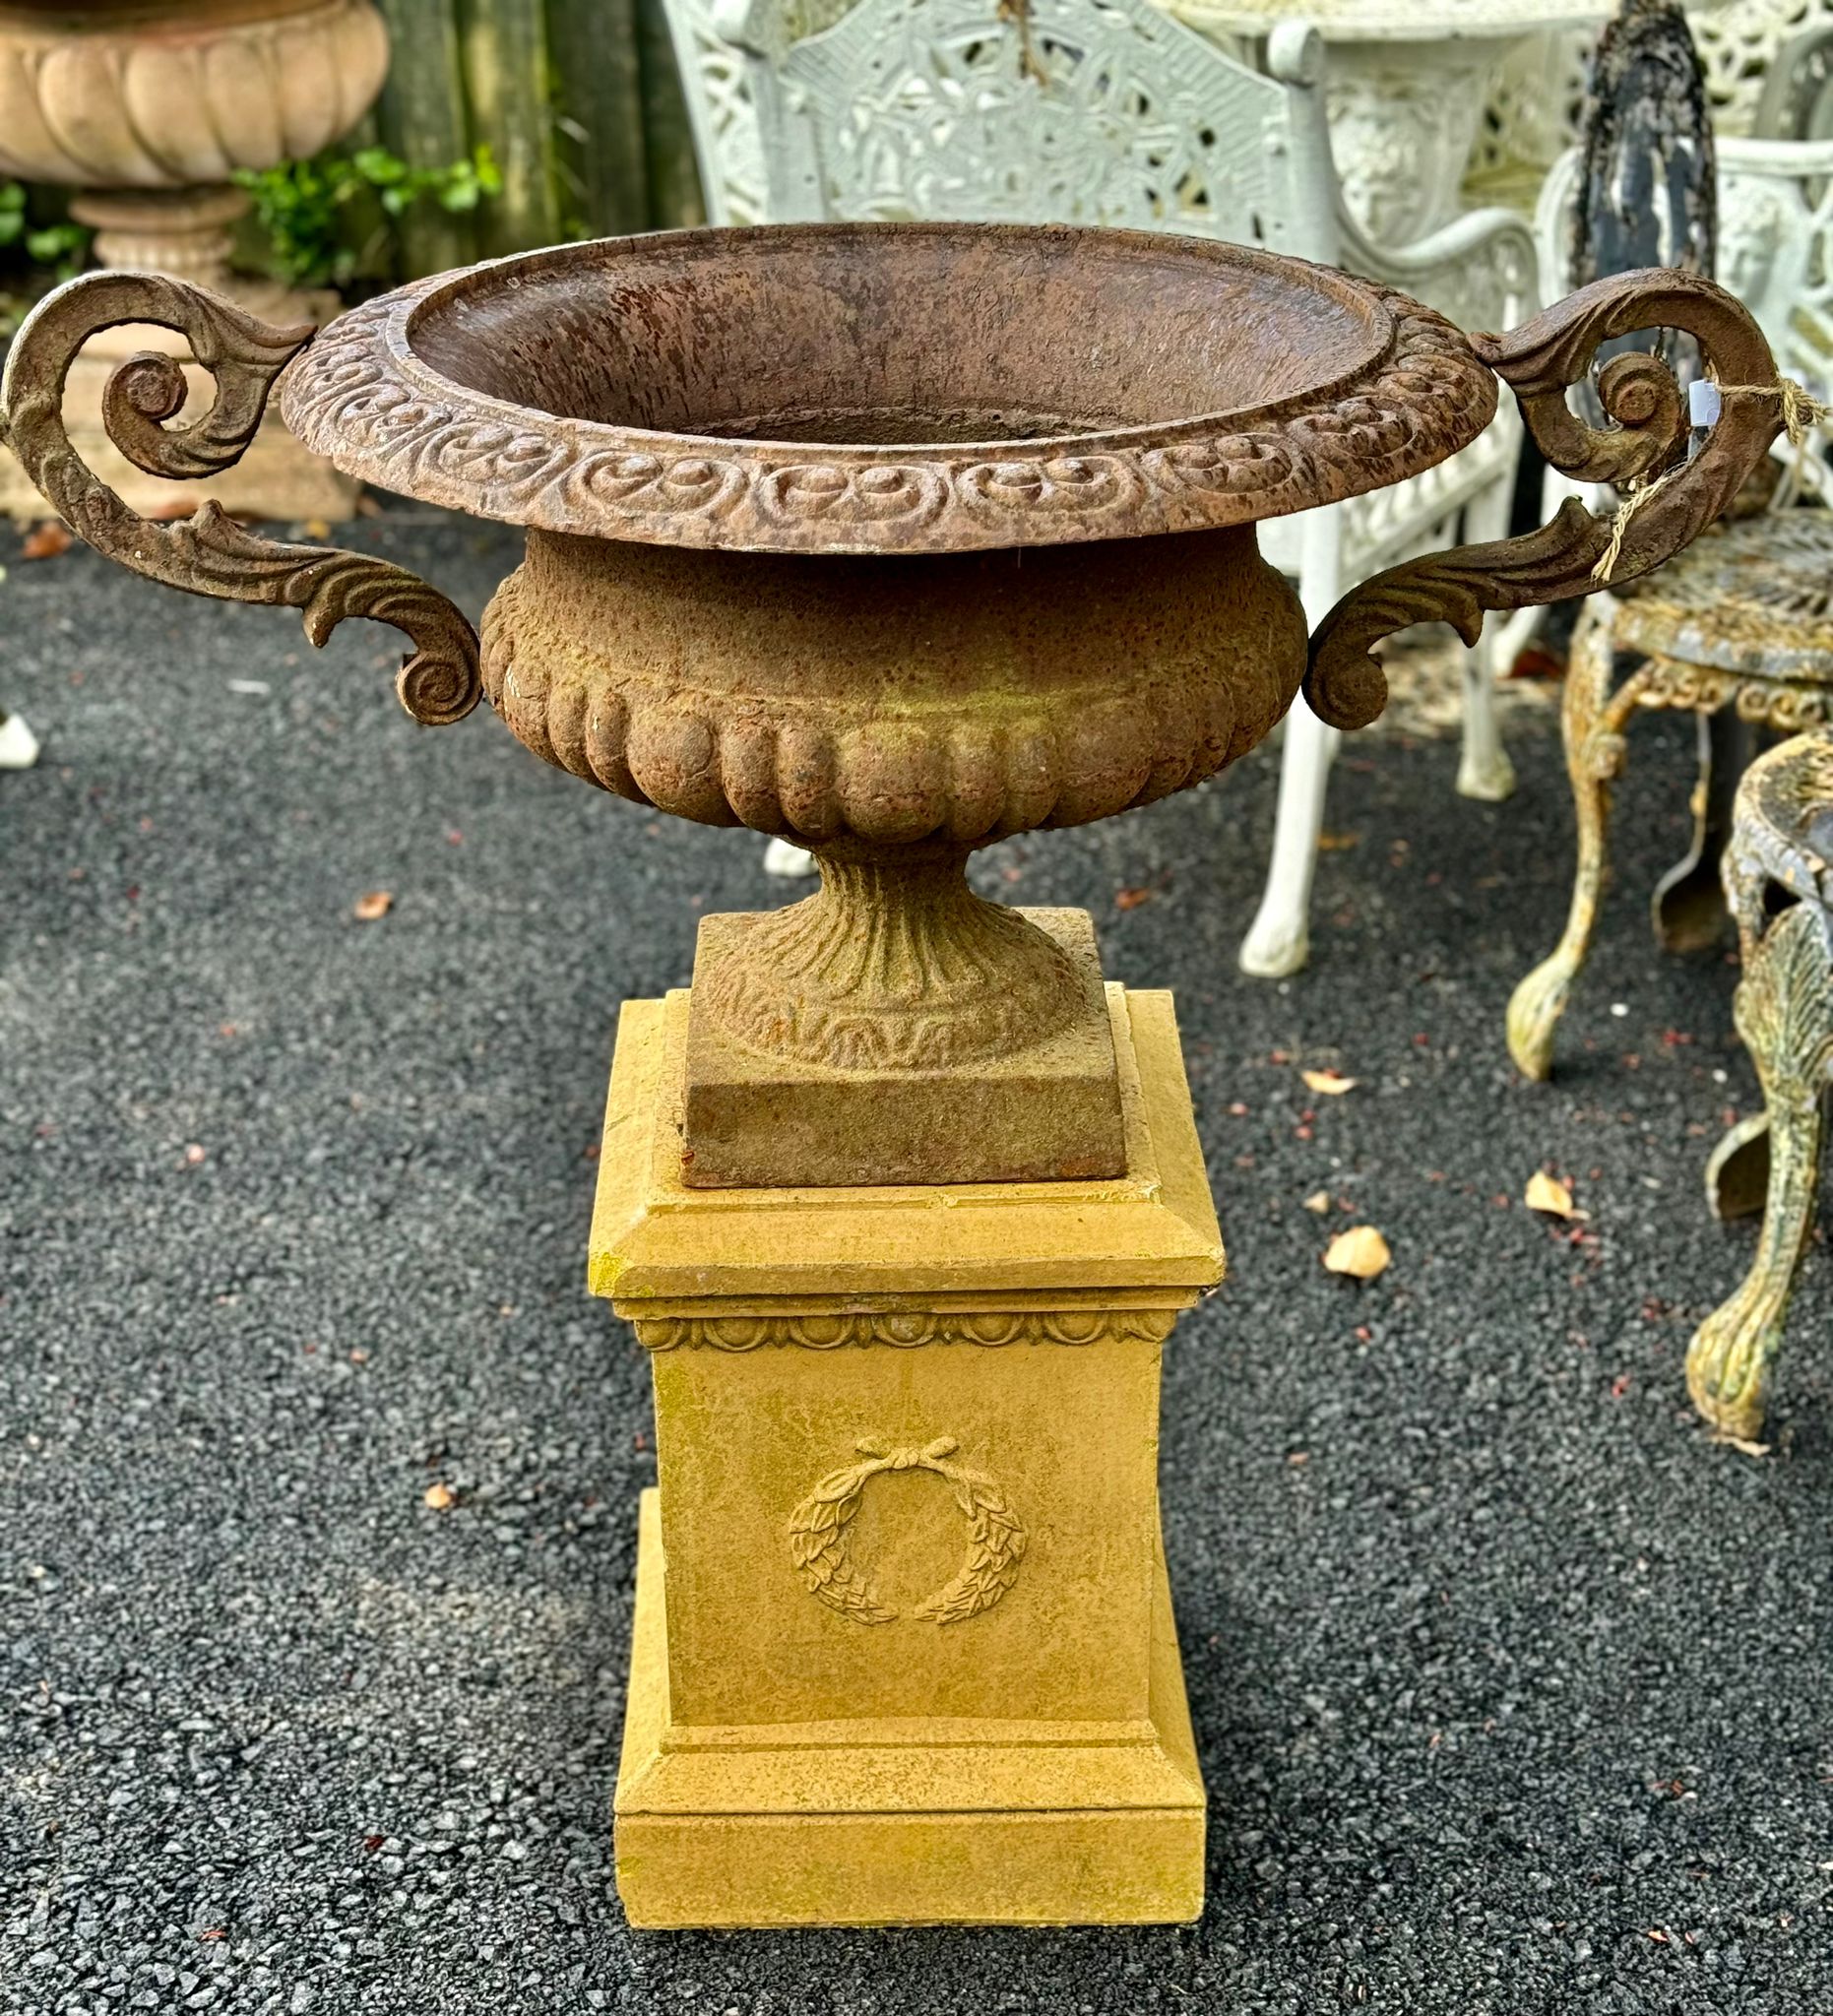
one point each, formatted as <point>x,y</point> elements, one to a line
<point>874,1824</point>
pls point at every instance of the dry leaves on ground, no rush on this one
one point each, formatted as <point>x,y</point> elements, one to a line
<point>45,541</point>
<point>1361,1252</point>
<point>1131,899</point>
<point>376,903</point>
<point>1549,1194</point>
<point>1318,1201</point>
<point>1330,1083</point>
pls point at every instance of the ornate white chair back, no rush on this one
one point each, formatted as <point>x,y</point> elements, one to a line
<point>716,82</point>
<point>1741,47</point>
<point>1041,112</point>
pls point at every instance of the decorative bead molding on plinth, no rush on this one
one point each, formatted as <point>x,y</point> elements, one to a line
<point>905,1330</point>
<point>819,1533</point>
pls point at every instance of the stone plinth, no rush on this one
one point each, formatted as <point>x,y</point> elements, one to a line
<point>904,1644</point>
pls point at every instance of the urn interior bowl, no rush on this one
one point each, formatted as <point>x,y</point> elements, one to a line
<point>838,533</point>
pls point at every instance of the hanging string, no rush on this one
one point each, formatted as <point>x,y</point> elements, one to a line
<point>1801,412</point>
<point>1632,502</point>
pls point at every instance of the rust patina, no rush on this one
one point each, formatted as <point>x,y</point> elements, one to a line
<point>896,539</point>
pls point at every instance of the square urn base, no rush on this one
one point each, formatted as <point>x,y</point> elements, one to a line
<point>904,1646</point>
<point>1048,1110</point>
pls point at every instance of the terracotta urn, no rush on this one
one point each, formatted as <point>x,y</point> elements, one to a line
<point>146,109</point>
<point>896,539</point>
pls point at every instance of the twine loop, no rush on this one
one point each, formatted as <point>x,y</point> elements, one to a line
<point>1801,412</point>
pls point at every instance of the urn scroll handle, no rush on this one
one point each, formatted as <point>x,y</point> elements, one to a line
<point>210,554</point>
<point>1668,500</point>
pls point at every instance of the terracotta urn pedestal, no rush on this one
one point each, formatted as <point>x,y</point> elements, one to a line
<point>895,540</point>
<point>147,108</point>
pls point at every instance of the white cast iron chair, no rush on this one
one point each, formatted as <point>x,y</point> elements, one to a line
<point>1108,112</point>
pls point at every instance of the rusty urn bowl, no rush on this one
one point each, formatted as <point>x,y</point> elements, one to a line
<point>838,534</point>
<point>894,539</point>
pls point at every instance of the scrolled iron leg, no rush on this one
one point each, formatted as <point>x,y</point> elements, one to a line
<point>1593,723</point>
<point>1785,1015</point>
<point>1688,907</point>
<point>1279,940</point>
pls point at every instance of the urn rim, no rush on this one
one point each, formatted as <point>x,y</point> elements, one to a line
<point>412,390</point>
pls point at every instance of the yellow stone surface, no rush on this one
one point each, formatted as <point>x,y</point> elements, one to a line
<point>904,1647</point>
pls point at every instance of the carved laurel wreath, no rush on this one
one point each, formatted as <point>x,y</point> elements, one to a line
<point>819,1525</point>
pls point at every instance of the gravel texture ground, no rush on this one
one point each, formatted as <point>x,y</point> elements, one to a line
<point>1512,1690</point>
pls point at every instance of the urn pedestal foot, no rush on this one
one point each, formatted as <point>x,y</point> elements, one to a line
<point>905,1651</point>
<point>876,1091</point>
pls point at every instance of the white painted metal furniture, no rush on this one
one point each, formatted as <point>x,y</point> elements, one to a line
<point>1406,89</point>
<point>1741,46</point>
<point>1109,112</point>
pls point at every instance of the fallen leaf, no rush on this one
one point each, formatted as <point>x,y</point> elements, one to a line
<point>1329,1083</point>
<point>376,903</point>
<point>45,541</point>
<point>1337,842</point>
<point>316,529</point>
<point>1361,1252</point>
<point>1131,899</point>
<point>1549,1194</point>
<point>1318,1201</point>
<point>440,1499</point>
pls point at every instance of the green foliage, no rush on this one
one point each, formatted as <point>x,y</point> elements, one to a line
<point>330,218</point>
<point>60,246</point>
